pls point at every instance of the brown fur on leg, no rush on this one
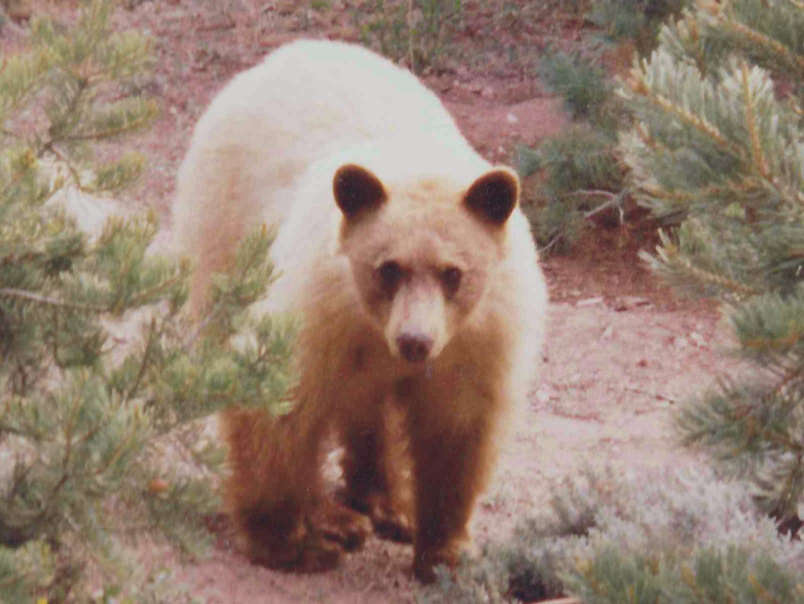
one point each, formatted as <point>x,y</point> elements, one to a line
<point>376,467</point>
<point>274,493</point>
<point>448,480</point>
<point>451,464</point>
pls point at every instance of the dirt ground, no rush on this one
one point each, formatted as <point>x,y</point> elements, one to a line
<point>621,351</point>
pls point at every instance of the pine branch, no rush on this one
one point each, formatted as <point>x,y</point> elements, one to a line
<point>146,356</point>
<point>74,412</point>
<point>750,120</point>
<point>41,299</point>
<point>51,147</point>
<point>108,133</point>
<point>697,122</point>
<point>773,47</point>
<point>671,259</point>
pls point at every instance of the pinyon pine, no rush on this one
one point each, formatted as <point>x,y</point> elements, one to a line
<point>103,384</point>
<point>719,143</point>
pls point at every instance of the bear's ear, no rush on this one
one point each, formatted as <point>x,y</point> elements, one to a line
<point>493,196</point>
<point>357,190</point>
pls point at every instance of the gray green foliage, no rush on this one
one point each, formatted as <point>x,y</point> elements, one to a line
<point>416,32</point>
<point>718,142</point>
<point>653,537</point>
<point>578,171</point>
<point>104,383</point>
<point>580,174</point>
<point>637,20</point>
<point>766,34</point>
<point>582,84</point>
<point>583,156</point>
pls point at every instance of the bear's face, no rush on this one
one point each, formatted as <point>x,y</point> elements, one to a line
<point>421,255</point>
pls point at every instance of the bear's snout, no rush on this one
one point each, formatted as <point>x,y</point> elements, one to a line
<point>414,348</point>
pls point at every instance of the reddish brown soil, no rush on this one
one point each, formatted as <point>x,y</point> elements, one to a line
<point>621,350</point>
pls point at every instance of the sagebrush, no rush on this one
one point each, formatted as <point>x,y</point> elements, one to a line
<point>651,536</point>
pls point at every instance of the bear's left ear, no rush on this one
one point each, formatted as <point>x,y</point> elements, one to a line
<point>357,190</point>
<point>493,196</point>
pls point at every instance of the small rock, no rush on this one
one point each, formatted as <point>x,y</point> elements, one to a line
<point>511,118</point>
<point>589,302</point>
<point>698,339</point>
<point>630,302</point>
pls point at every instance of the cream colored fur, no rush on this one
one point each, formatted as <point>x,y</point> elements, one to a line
<point>266,152</point>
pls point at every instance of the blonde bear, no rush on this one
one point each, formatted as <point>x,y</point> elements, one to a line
<point>417,284</point>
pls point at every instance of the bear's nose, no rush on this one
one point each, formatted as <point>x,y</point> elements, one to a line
<point>414,347</point>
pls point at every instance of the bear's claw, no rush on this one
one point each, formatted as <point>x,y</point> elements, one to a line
<point>312,543</point>
<point>341,525</point>
<point>387,521</point>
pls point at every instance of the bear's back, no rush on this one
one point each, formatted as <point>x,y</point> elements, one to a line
<point>305,102</point>
<point>311,98</point>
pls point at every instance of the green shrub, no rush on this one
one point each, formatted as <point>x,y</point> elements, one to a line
<point>658,537</point>
<point>718,143</point>
<point>579,176</point>
<point>104,384</point>
<point>584,86</point>
<point>417,33</point>
<point>637,20</point>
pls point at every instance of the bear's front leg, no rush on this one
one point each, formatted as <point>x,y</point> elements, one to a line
<point>275,497</point>
<point>451,457</point>
<point>375,465</point>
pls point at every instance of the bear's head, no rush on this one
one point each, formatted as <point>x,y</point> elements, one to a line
<point>422,253</point>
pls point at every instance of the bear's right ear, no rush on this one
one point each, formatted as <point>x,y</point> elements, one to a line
<point>357,190</point>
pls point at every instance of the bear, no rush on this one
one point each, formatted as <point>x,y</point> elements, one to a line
<point>416,280</point>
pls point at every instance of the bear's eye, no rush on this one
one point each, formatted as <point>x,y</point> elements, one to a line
<point>390,274</point>
<point>451,279</point>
